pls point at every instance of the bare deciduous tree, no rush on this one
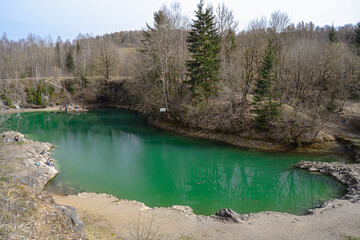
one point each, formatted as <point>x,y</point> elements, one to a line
<point>106,59</point>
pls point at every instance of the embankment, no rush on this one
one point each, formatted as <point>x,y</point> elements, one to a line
<point>27,212</point>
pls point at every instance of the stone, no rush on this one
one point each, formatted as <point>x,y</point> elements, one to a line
<point>229,214</point>
<point>71,218</point>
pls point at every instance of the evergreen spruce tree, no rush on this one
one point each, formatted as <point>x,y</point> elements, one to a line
<point>264,106</point>
<point>356,40</point>
<point>58,54</point>
<point>69,61</point>
<point>204,47</point>
<point>78,48</point>
<point>333,34</point>
<point>263,84</point>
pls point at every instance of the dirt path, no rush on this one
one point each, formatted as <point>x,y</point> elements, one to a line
<point>110,218</point>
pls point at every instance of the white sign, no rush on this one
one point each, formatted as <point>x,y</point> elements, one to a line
<point>162,109</point>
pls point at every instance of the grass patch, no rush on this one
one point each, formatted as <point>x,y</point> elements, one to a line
<point>349,237</point>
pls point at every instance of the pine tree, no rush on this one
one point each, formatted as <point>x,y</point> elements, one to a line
<point>204,47</point>
<point>58,54</point>
<point>69,61</point>
<point>356,40</point>
<point>264,106</point>
<point>333,34</point>
<point>78,48</point>
<point>263,84</point>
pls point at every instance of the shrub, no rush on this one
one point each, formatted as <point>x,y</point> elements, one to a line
<point>8,101</point>
<point>331,106</point>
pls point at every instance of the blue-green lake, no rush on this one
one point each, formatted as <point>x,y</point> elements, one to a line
<point>114,151</point>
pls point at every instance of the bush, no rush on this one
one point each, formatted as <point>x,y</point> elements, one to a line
<point>51,90</point>
<point>331,106</point>
<point>354,123</point>
<point>8,101</point>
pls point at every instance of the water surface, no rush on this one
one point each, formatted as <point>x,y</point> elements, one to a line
<point>116,152</point>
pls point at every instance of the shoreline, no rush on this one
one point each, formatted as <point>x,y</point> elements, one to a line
<point>324,147</point>
<point>107,208</point>
<point>334,146</point>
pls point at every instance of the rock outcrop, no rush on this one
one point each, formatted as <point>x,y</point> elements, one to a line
<point>230,215</point>
<point>347,174</point>
<point>71,218</point>
<point>35,154</point>
<point>352,145</point>
<point>30,168</point>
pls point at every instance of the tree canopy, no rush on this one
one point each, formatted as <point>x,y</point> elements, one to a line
<point>204,47</point>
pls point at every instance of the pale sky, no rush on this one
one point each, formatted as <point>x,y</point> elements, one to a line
<point>68,18</point>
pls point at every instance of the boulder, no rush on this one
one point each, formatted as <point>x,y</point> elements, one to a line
<point>231,215</point>
<point>71,218</point>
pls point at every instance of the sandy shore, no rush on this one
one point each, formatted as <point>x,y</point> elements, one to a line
<point>106,216</point>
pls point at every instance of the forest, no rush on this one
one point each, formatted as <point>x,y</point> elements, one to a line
<point>275,80</point>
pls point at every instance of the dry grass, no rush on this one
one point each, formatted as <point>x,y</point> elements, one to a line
<point>97,228</point>
<point>143,229</point>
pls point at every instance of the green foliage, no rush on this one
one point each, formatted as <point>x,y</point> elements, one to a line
<point>266,113</point>
<point>3,179</point>
<point>58,54</point>
<point>331,106</point>
<point>70,86</point>
<point>349,237</point>
<point>78,48</point>
<point>6,100</point>
<point>35,96</point>
<point>84,81</point>
<point>333,34</point>
<point>265,109</point>
<point>204,47</point>
<point>51,90</point>
<point>263,84</point>
<point>69,61</point>
<point>356,40</point>
<point>38,96</point>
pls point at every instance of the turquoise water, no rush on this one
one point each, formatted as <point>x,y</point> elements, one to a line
<point>116,152</point>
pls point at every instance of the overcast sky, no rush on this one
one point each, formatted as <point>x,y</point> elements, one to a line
<point>68,18</point>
